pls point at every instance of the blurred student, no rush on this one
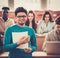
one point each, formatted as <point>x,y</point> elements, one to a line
<point>9,45</point>
<point>4,23</point>
<point>4,20</point>
<point>53,35</point>
<point>5,16</point>
<point>31,20</point>
<point>46,24</point>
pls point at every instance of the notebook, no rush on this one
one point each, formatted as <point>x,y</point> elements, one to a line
<point>16,37</point>
<point>53,47</point>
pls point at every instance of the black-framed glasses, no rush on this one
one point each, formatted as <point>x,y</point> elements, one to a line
<point>21,16</point>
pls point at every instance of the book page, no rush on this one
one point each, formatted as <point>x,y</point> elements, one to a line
<point>16,37</point>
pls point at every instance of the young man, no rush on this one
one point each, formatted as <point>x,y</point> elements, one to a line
<point>14,52</point>
<point>4,23</point>
<point>54,35</point>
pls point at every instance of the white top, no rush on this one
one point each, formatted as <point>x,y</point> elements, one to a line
<point>42,25</point>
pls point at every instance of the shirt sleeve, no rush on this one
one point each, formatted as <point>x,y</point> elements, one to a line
<point>7,44</point>
<point>39,28</point>
<point>33,41</point>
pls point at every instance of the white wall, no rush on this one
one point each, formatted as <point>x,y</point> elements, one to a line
<point>32,4</point>
<point>36,4</point>
<point>53,5</point>
<point>28,4</point>
<point>3,3</point>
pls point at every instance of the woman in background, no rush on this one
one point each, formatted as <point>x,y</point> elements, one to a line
<point>46,23</point>
<point>31,20</point>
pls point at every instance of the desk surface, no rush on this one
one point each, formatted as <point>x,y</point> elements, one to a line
<point>41,35</point>
<point>43,54</point>
<point>34,54</point>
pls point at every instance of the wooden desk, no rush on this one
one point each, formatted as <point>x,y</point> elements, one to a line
<point>4,55</point>
<point>44,55</point>
<point>34,55</point>
<point>40,40</point>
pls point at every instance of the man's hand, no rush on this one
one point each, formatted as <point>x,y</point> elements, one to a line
<point>28,50</point>
<point>23,40</point>
<point>42,30</point>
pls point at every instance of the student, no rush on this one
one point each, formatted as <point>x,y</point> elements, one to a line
<point>5,16</point>
<point>46,24</point>
<point>4,23</point>
<point>14,52</point>
<point>4,20</point>
<point>54,35</point>
<point>31,20</point>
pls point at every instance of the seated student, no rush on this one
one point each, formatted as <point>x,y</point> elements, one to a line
<point>46,24</point>
<point>31,20</point>
<point>54,35</point>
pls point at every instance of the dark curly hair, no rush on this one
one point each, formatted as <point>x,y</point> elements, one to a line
<point>20,9</point>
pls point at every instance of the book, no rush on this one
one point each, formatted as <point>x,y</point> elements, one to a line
<point>16,36</point>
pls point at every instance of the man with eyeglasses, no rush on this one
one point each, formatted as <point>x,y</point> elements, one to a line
<point>54,35</point>
<point>14,52</point>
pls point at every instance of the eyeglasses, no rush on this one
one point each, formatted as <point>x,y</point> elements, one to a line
<point>21,16</point>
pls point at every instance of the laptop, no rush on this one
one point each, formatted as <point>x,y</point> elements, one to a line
<point>53,48</point>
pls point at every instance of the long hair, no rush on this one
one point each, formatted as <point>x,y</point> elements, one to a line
<point>50,17</point>
<point>33,21</point>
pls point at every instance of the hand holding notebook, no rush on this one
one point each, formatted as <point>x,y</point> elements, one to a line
<point>21,38</point>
